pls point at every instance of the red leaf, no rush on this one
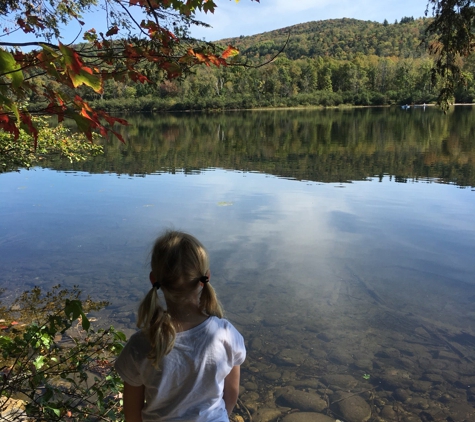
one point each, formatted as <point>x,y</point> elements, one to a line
<point>8,125</point>
<point>112,31</point>
<point>26,120</point>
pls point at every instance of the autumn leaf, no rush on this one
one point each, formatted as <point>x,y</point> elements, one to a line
<point>230,52</point>
<point>86,77</point>
<point>112,31</point>
<point>72,59</point>
<point>8,125</point>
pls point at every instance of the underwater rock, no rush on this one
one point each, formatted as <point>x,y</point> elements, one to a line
<point>324,337</point>
<point>272,375</point>
<point>388,353</point>
<point>307,417</point>
<point>318,353</point>
<point>340,357</point>
<point>251,386</point>
<point>312,383</point>
<point>448,356</point>
<point>307,402</point>
<point>365,364</point>
<point>352,408</point>
<point>266,415</point>
<point>401,394</point>
<point>250,396</point>
<point>422,332</point>
<point>346,382</point>
<point>421,386</point>
<point>389,414</point>
<point>292,357</point>
<point>395,378</point>
<point>256,344</point>
<point>406,363</point>
<point>460,411</point>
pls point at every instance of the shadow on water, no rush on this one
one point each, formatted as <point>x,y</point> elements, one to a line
<point>355,302</point>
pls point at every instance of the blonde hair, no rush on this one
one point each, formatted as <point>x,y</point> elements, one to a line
<point>178,262</point>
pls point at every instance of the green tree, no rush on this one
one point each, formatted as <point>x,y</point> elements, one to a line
<point>453,29</point>
<point>154,49</point>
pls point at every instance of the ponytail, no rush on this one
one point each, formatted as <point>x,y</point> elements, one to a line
<point>179,262</point>
<point>209,303</point>
<point>157,326</point>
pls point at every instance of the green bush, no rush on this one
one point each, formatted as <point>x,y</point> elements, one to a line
<point>52,141</point>
<point>58,366</point>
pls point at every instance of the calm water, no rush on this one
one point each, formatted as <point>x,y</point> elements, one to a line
<point>341,243</point>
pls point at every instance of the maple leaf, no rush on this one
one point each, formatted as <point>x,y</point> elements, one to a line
<point>72,59</point>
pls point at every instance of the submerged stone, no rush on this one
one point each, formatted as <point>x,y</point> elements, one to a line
<point>307,417</point>
<point>352,408</point>
<point>307,402</point>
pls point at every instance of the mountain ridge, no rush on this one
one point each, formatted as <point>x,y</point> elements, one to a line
<point>340,39</point>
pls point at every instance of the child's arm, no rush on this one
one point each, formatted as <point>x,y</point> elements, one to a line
<point>231,388</point>
<point>134,398</point>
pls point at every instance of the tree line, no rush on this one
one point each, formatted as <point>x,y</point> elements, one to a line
<point>326,63</point>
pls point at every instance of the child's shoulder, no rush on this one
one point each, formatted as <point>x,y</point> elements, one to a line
<point>224,325</point>
<point>138,342</point>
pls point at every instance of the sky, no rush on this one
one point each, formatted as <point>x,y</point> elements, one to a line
<point>246,17</point>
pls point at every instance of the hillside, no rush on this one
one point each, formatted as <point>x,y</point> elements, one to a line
<point>325,63</point>
<point>340,39</point>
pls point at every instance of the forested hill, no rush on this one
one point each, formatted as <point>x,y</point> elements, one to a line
<point>325,63</point>
<point>340,39</point>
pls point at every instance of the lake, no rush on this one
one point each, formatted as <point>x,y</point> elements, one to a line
<point>342,246</point>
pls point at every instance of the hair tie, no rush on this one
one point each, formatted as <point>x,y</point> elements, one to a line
<point>204,279</point>
<point>156,285</point>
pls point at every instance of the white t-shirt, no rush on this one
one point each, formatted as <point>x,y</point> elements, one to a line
<point>189,384</point>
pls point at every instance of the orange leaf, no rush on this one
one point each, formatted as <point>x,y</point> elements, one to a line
<point>230,52</point>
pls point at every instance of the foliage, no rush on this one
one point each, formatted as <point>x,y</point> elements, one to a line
<point>57,364</point>
<point>453,27</point>
<point>326,63</point>
<point>52,140</point>
<point>341,39</point>
<point>156,46</point>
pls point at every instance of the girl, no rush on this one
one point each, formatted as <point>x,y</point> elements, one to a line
<point>184,363</point>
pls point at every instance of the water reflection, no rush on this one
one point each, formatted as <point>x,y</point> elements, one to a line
<point>363,287</point>
<point>328,146</point>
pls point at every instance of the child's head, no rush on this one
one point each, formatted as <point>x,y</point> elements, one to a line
<point>178,262</point>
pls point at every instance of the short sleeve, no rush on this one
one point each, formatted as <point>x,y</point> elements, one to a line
<point>239,349</point>
<point>126,364</point>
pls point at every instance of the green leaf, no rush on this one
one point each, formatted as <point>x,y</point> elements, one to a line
<point>85,321</point>
<point>39,362</point>
<point>86,78</point>
<point>10,68</point>
<point>120,335</point>
<point>73,309</point>
<point>57,412</point>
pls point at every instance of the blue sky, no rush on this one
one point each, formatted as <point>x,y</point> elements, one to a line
<point>246,17</point>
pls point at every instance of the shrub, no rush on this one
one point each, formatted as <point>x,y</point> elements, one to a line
<point>60,367</point>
